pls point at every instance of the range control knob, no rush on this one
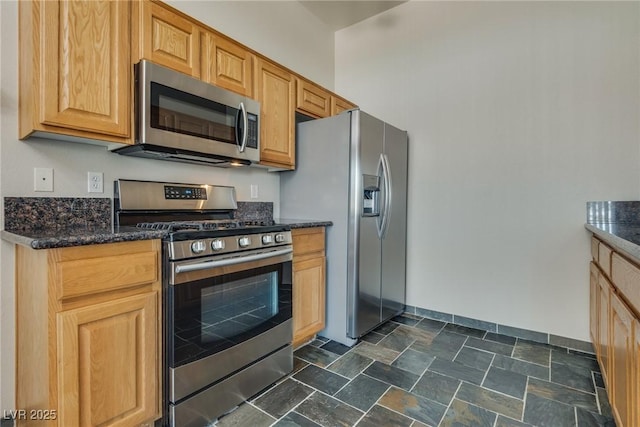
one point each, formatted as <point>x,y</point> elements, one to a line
<point>217,244</point>
<point>267,239</point>
<point>280,238</point>
<point>244,242</point>
<point>198,247</point>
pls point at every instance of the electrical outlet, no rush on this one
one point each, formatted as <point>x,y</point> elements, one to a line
<point>95,182</point>
<point>254,191</point>
<point>42,179</point>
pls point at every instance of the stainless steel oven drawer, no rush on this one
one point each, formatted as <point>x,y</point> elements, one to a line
<point>206,406</point>
<point>194,376</point>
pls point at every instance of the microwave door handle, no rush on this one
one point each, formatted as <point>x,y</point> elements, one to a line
<point>245,122</point>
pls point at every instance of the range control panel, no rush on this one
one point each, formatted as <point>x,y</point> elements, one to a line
<point>218,245</point>
<point>178,192</point>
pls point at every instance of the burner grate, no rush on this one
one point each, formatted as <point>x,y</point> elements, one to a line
<point>202,225</point>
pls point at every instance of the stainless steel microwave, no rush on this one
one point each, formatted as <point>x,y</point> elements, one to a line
<point>184,119</point>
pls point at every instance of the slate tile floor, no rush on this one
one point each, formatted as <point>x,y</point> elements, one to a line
<point>417,372</point>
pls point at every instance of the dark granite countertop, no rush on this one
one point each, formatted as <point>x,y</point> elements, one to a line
<point>303,223</point>
<point>78,236</point>
<point>616,223</point>
<point>60,237</point>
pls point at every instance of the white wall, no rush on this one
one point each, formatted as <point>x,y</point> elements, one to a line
<point>518,113</point>
<point>284,31</point>
<point>280,37</point>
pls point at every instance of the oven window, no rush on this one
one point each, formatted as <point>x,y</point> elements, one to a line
<point>214,314</point>
<point>181,112</point>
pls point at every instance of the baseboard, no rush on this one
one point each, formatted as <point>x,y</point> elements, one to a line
<point>536,336</point>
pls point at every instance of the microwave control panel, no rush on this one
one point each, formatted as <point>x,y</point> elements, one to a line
<point>252,131</point>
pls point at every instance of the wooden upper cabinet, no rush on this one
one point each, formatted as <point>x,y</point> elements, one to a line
<point>275,90</point>
<point>226,64</point>
<point>312,99</point>
<point>166,37</point>
<point>75,69</point>
<point>338,105</point>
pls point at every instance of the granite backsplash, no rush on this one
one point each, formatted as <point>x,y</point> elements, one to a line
<point>24,214</point>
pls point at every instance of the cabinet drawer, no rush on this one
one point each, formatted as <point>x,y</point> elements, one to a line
<point>308,240</point>
<point>594,248</point>
<point>626,278</point>
<point>604,258</point>
<point>83,271</point>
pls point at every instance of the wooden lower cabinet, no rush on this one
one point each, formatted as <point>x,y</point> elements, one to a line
<point>602,344</point>
<point>93,359</point>
<point>635,400</point>
<point>308,298</point>
<point>621,369</point>
<point>309,283</point>
<point>615,330</point>
<point>594,305</point>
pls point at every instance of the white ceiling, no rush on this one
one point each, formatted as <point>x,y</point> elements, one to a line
<point>341,14</point>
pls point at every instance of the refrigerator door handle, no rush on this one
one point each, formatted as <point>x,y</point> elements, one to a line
<point>383,220</point>
<point>383,208</point>
<point>388,195</point>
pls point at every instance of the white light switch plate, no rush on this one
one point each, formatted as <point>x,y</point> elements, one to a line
<point>42,179</point>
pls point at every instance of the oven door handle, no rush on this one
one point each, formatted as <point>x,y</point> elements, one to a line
<point>230,261</point>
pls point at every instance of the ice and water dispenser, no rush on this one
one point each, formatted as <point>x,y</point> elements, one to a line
<point>370,195</point>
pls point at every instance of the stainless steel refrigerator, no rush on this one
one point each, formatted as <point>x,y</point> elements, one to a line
<point>352,169</point>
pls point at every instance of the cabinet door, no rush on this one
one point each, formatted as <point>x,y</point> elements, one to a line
<point>603,327</point>
<point>593,304</point>
<point>308,298</point>
<point>635,393</point>
<point>621,363</point>
<point>227,64</point>
<point>338,105</point>
<point>167,38</point>
<point>85,73</point>
<point>275,90</point>
<point>108,363</point>
<point>312,99</point>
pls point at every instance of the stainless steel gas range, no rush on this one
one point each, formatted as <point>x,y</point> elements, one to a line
<point>227,299</point>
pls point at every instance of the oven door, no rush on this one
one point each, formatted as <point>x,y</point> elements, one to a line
<point>225,313</point>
